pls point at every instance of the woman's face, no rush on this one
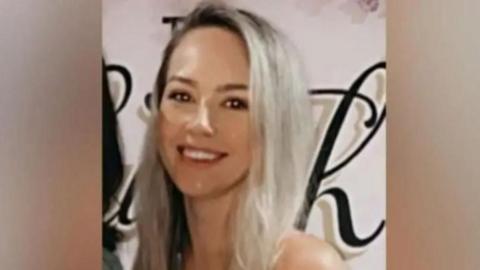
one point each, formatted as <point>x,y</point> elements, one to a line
<point>203,120</point>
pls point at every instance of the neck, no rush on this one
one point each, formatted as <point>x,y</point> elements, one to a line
<point>209,221</point>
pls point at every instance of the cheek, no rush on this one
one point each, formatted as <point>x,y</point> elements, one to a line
<point>238,136</point>
<point>174,114</point>
<point>167,131</point>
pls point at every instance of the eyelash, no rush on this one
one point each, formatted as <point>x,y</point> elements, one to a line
<point>180,96</point>
<point>231,103</point>
<point>240,104</point>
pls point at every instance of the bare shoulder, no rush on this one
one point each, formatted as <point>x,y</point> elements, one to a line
<point>299,250</point>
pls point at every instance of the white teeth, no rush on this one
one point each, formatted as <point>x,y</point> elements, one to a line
<point>199,155</point>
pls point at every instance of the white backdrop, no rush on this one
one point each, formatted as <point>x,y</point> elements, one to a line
<point>338,40</point>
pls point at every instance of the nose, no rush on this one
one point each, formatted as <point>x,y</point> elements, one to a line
<point>200,123</point>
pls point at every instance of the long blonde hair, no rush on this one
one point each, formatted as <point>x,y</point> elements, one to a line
<point>281,120</point>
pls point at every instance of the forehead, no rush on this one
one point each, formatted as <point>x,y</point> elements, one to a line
<point>210,54</point>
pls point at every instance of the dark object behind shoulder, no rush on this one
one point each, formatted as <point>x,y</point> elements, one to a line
<point>110,261</point>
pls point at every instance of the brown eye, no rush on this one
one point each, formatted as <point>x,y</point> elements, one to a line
<point>180,96</point>
<point>236,104</point>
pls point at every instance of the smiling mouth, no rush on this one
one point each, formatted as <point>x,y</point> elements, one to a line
<point>200,155</point>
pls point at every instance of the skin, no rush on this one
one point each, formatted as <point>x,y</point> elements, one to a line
<point>205,106</point>
<point>299,250</point>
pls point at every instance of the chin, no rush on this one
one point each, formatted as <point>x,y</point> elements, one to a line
<point>201,188</point>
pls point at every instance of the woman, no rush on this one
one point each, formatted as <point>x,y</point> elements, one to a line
<point>227,154</point>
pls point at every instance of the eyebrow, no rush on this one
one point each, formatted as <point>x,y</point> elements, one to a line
<point>232,86</point>
<point>182,80</point>
<point>223,88</point>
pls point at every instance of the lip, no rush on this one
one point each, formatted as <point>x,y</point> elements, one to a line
<point>181,148</point>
